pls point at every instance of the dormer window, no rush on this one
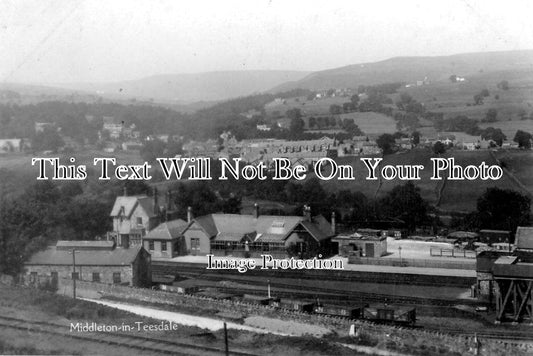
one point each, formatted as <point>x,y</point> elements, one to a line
<point>139,220</point>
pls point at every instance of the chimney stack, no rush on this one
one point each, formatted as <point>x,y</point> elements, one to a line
<point>333,223</point>
<point>169,200</point>
<point>256,210</point>
<point>125,191</point>
<point>156,203</point>
<point>189,214</point>
<point>307,213</point>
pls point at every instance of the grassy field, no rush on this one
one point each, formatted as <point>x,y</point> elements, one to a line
<point>317,107</point>
<point>457,195</point>
<point>372,123</point>
<point>509,128</point>
<point>454,99</point>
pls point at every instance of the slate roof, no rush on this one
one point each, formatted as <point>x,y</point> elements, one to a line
<point>524,237</point>
<point>168,230</point>
<point>129,203</point>
<point>57,257</point>
<point>265,228</point>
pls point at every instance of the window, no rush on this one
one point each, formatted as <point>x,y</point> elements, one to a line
<point>195,243</point>
<point>151,245</point>
<point>75,275</point>
<point>116,277</point>
<point>163,246</point>
<point>53,275</point>
<point>139,220</point>
<point>33,276</point>
<point>96,277</point>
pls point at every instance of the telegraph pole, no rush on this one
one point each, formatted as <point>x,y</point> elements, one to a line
<point>74,273</point>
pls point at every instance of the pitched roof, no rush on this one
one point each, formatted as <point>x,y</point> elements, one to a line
<point>58,257</point>
<point>524,237</point>
<point>168,230</point>
<point>126,205</point>
<point>84,245</point>
<point>265,228</point>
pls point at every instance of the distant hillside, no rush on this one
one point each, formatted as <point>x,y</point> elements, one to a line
<point>411,69</point>
<point>211,86</point>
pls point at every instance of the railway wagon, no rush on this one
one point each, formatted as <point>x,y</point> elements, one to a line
<point>296,305</point>
<point>390,314</point>
<point>332,310</point>
<point>258,299</point>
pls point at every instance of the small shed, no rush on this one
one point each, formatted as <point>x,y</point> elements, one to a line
<point>364,245</point>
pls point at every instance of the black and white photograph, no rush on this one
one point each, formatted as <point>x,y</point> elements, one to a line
<point>266,177</point>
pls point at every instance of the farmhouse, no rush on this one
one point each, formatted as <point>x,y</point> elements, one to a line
<point>97,261</point>
<point>253,235</point>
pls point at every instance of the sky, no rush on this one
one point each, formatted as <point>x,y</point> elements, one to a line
<point>63,41</point>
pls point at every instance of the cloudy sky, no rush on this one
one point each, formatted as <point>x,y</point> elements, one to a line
<point>78,41</point>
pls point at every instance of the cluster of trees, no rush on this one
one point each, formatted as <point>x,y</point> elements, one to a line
<point>47,211</point>
<point>478,98</point>
<point>498,209</point>
<point>459,123</point>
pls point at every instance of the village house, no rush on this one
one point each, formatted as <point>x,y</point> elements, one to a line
<point>253,235</point>
<point>133,217</point>
<point>41,126</point>
<point>11,145</point>
<point>163,241</point>
<point>95,261</point>
<point>113,126</point>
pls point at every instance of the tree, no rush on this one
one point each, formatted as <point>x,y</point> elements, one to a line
<point>478,99</point>
<point>416,138</point>
<point>386,143</point>
<point>496,135</point>
<point>503,209</point>
<point>485,93</point>
<point>355,100</point>
<point>523,139</point>
<point>335,109</point>
<point>504,85</point>
<point>439,148</point>
<point>348,107</point>
<point>312,122</point>
<point>294,113</point>
<point>297,125</point>
<point>491,115</point>
<point>152,149</point>
<point>405,202</point>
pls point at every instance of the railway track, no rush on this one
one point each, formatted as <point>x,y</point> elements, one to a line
<point>288,290</point>
<point>135,342</point>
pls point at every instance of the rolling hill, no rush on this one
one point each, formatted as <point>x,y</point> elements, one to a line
<point>187,88</point>
<point>411,69</point>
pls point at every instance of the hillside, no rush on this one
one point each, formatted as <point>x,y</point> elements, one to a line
<point>186,88</point>
<point>411,69</point>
